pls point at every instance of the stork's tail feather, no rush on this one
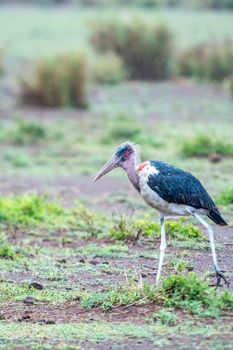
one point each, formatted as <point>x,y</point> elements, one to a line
<point>215,216</point>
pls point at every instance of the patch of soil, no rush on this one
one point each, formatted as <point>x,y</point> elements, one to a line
<point>71,311</point>
<point>69,189</point>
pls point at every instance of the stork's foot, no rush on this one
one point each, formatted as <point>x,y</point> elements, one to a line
<point>220,276</point>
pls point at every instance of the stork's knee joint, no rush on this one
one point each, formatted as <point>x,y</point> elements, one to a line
<point>163,247</point>
<point>217,268</point>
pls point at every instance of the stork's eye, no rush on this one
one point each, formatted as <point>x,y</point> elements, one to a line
<point>127,153</point>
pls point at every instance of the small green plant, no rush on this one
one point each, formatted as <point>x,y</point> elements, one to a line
<point>179,229</point>
<point>166,317</point>
<point>125,228</point>
<point>205,145</point>
<point>179,264</point>
<point>57,82</point>
<point>146,50</point>
<point>26,132</point>
<point>122,229</point>
<point>226,300</point>
<point>226,197</point>
<point>37,211</point>
<point>7,250</point>
<point>208,61</point>
<point>178,291</point>
<point>29,210</point>
<point>120,296</point>
<point>108,68</point>
<point>192,293</point>
<point>90,223</point>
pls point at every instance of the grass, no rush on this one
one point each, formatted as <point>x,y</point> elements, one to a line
<point>18,292</point>
<point>205,145</point>
<point>108,68</point>
<point>7,250</point>
<point>29,210</point>
<point>226,197</point>
<point>92,276</point>
<point>56,33</point>
<point>179,291</point>
<point>124,229</point>
<point>23,132</point>
<point>69,249</point>
<point>78,149</point>
<point>145,49</point>
<point>166,317</point>
<point>208,61</point>
<point>57,82</point>
<point>102,331</point>
<point>38,212</point>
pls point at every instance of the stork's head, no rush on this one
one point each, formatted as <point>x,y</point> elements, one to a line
<point>125,155</point>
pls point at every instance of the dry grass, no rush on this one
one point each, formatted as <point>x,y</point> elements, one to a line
<point>108,68</point>
<point>58,82</point>
<point>208,61</point>
<point>146,49</point>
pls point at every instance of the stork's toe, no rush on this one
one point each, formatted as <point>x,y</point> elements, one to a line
<point>220,276</point>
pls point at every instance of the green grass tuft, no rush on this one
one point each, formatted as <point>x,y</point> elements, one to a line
<point>180,291</point>
<point>28,210</point>
<point>120,296</point>
<point>226,197</point>
<point>7,250</point>
<point>166,317</point>
<point>192,293</point>
<point>205,145</point>
<point>26,132</point>
<point>124,229</point>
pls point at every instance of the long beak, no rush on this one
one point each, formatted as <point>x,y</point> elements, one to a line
<point>111,164</point>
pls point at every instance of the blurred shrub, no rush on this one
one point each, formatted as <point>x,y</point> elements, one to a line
<point>57,82</point>
<point>196,4</point>
<point>145,49</point>
<point>209,61</point>
<point>230,82</point>
<point>108,68</point>
<point>215,4</point>
<point>204,145</point>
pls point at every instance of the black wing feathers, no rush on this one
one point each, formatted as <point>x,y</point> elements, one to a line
<point>177,186</point>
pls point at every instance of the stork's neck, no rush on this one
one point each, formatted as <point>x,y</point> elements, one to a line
<point>129,166</point>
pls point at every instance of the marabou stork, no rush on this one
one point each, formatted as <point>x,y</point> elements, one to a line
<point>169,190</point>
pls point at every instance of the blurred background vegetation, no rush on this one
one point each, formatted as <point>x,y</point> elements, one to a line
<point>79,77</point>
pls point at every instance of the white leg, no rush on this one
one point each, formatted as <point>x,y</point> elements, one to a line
<point>163,246</point>
<point>218,271</point>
